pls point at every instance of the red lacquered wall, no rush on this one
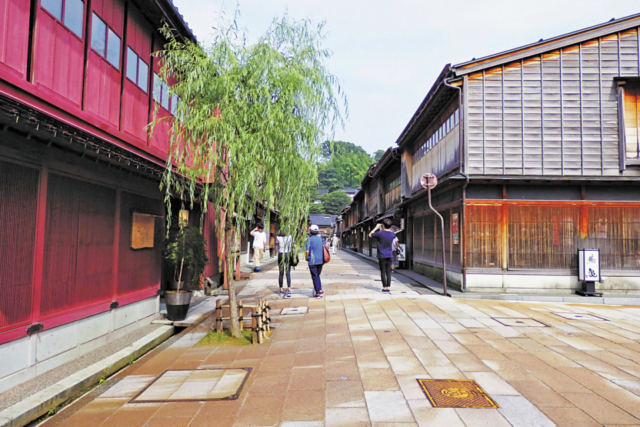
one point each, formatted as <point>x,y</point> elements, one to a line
<point>14,36</point>
<point>103,79</point>
<point>18,209</point>
<point>139,269</point>
<point>135,101</point>
<point>78,251</point>
<point>59,58</point>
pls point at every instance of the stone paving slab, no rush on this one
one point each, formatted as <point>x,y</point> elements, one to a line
<point>354,357</point>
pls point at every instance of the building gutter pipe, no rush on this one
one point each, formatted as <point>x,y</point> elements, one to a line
<point>447,82</point>
<point>464,227</point>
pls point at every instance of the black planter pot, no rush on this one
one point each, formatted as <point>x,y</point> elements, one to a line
<point>177,304</point>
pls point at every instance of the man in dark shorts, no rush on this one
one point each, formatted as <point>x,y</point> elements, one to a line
<point>385,251</point>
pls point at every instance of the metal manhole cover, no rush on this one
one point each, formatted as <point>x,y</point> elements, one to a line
<point>523,322</point>
<point>194,385</point>
<point>456,394</point>
<point>295,310</point>
<point>581,316</point>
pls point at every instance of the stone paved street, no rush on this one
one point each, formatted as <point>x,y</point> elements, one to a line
<point>353,360</point>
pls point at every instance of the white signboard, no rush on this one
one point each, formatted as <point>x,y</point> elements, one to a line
<point>402,256</point>
<point>589,265</point>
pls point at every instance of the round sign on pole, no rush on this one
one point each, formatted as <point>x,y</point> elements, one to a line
<point>428,180</point>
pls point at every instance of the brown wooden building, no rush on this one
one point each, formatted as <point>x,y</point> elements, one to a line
<point>537,154</point>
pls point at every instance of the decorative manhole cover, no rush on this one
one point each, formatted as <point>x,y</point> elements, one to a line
<point>194,385</point>
<point>524,322</point>
<point>456,394</point>
<point>581,316</point>
<point>295,310</point>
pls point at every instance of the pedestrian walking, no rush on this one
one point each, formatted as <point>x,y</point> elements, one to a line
<point>385,251</point>
<point>315,256</point>
<point>259,244</point>
<point>284,262</point>
<point>334,243</point>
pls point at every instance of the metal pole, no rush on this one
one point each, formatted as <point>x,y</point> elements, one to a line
<point>444,252</point>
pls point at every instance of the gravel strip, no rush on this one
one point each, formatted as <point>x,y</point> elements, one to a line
<point>20,392</point>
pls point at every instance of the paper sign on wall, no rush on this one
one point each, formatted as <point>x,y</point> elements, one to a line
<point>455,231</point>
<point>142,230</point>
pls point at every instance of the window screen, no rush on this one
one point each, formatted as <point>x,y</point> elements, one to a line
<point>174,104</point>
<point>165,96</point>
<point>113,49</point>
<point>54,7</point>
<point>157,88</point>
<point>143,75</point>
<point>98,35</point>
<point>73,13</point>
<point>132,65</point>
<point>632,120</point>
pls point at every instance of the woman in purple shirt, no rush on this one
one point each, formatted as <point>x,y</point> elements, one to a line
<point>385,251</point>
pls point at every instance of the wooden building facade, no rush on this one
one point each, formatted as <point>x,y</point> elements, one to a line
<point>78,169</point>
<point>537,153</point>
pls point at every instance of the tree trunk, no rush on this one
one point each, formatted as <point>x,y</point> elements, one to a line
<point>228,276</point>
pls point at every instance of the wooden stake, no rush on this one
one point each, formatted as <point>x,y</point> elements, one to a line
<point>219,316</point>
<point>254,325</point>
<point>240,315</point>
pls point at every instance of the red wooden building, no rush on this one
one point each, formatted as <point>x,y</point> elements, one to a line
<point>78,87</point>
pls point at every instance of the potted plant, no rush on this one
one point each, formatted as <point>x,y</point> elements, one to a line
<point>186,253</point>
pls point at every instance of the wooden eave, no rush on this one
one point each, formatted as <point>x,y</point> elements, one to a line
<point>548,45</point>
<point>439,95</point>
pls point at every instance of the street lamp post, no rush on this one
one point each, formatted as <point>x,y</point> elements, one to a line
<point>429,181</point>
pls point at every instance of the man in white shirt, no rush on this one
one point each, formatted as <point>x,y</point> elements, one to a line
<point>334,243</point>
<point>259,243</point>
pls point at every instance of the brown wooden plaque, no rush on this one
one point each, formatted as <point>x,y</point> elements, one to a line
<point>142,230</point>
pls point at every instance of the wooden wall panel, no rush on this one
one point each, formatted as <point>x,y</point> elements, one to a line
<point>551,114</point>
<point>14,35</point>
<point>135,102</point>
<point>103,82</point>
<point>59,58</point>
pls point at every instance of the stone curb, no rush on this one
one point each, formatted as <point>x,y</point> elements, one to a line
<point>40,403</point>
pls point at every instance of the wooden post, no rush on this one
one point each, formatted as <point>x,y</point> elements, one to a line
<point>260,325</point>
<point>219,316</point>
<point>265,316</point>
<point>240,315</point>
<point>254,324</point>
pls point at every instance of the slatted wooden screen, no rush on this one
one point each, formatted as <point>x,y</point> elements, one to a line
<point>616,232</point>
<point>543,237</point>
<point>78,253</point>
<point>483,233</point>
<point>18,209</point>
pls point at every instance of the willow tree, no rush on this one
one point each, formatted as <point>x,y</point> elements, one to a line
<point>249,127</point>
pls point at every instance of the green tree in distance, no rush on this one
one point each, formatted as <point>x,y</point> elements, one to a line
<point>378,155</point>
<point>316,208</point>
<point>334,202</point>
<point>343,165</point>
<point>250,126</point>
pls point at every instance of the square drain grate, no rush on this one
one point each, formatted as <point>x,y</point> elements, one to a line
<point>582,316</point>
<point>194,385</point>
<point>524,322</point>
<point>295,310</point>
<point>456,394</point>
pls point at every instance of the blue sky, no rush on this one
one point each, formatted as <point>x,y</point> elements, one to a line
<point>387,54</point>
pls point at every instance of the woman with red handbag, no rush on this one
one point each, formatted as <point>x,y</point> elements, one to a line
<point>315,255</point>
